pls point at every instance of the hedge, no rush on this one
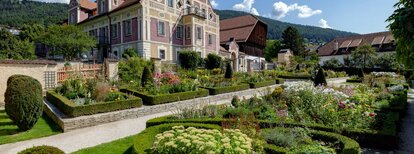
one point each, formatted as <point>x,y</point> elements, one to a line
<point>262,84</point>
<point>296,76</point>
<point>167,98</point>
<point>42,150</point>
<point>280,81</point>
<point>348,146</point>
<point>386,138</point>
<point>145,139</point>
<point>354,80</point>
<point>222,90</point>
<point>72,110</point>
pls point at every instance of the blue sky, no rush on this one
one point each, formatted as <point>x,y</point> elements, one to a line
<point>359,16</point>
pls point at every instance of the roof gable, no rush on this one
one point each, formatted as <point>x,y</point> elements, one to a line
<point>238,28</point>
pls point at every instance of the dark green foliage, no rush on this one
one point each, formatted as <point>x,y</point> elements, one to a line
<point>272,49</point>
<point>320,78</point>
<point>360,73</point>
<point>12,47</point>
<point>189,59</point>
<point>128,53</point>
<point>354,80</point>
<point>363,57</point>
<point>167,98</point>
<point>130,70</point>
<point>275,28</point>
<point>262,84</point>
<point>146,77</point>
<point>213,61</point>
<point>294,41</point>
<point>42,150</point>
<point>229,71</point>
<point>333,63</point>
<point>235,101</point>
<point>145,139</point>
<point>222,90</point>
<point>31,12</point>
<point>24,103</point>
<point>72,110</point>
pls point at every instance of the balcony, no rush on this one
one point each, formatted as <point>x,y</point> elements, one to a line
<point>195,11</point>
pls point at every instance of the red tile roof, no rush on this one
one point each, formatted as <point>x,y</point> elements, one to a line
<point>126,4</point>
<point>356,40</point>
<point>238,28</point>
<point>87,4</point>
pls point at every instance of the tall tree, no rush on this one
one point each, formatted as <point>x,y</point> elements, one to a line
<point>402,26</point>
<point>11,47</point>
<point>67,40</point>
<point>364,56</point>
<point>272,49</point>
<point>31,32</point>
<point>293,41</point>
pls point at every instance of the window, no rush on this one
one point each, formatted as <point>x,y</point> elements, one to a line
<point>162,54</point>
<point>115,2</point>
<point>210,39</point>
<point>161,28</point>
<point>102,6</point>
<point>128,27</point>
<point>199,35</point>
<point>179,32</point>
<point>72,18</point>
<point>188,32</point>
<point>170,3</point>
<point>114,30</point>
<point>179,4</point>
<point>211,16</point>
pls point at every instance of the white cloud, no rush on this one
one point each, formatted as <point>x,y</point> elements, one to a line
<point>214,3</point>
<point>324,24</point>
<point>280,10</point>
<point>254,12</point>
<point>53,1</point>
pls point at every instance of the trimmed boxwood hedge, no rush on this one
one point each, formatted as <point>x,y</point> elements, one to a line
<point>222,90</point>
<point>296,76</point>
<point>280,81</point>
<point>167,98</point>
<point>145,139</point>
<point>386,138</point>
<point>72,110</point>
<point>347,145</point>
<point>44,149</point>
<point>262,84</point>
<point>354,80</point>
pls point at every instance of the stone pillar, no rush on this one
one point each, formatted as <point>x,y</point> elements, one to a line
<point>111,69</point>
<point>157,65</point>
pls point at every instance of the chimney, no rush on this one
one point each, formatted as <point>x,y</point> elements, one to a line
<point>336,45</point>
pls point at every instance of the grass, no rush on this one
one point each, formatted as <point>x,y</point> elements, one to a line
<point>123,145</point>
<point>10,133</point>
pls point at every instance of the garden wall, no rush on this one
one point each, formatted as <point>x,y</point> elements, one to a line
<point>46,72</point>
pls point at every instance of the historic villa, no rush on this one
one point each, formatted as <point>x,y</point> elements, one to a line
<point>155,28</point>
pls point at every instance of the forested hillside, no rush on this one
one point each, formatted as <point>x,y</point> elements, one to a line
<point>15,14</point>
<point>275,28</point>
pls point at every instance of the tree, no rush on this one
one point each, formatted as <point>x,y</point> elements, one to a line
<point>229,72</point>
<point>272,49</point>
<point>11,47</point>
<point>402,26</point>
<point>146,77</point>
<point>320,78</point>
<point>387,61</point>
<point>189,59</point>
<point>333,63</point>
<point>68,40</point>
<point>31,32</point>
<point>294,41</point>
<point>363,56</point>
<point>23,101</point>
<point>213,61</point>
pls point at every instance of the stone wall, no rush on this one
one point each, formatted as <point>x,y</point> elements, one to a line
<point>68,124</point>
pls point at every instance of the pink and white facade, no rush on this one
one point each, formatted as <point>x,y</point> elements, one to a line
<point>154,28</point>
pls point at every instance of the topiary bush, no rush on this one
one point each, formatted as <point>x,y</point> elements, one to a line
<point>229,72</point>
<point>42,150</point>
<point>24,103</point>
<point>189,59</point>
<point>213,61</point>
<point>146,76</point>
<point>320,78</point>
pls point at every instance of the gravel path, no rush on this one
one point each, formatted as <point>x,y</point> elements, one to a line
<point>407,127</point>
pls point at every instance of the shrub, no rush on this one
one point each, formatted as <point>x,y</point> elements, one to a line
<point>24,103</point>
<point>227,89</point>
<point>42,150</point>
<point>130,70</point>
<point>189,59</point>
<point>235,101</point>
<point>320,78</point>
<point>213,61</point>
<point>101,91</point>
<point>167,98</point>
<point>146,77</point>
<point>229,72</point>
<point>129,53</point>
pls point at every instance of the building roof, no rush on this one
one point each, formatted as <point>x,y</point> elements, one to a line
<point>238,28</point>
<point>126,4</point>
<point>355,41</point>
<point>87,4</point>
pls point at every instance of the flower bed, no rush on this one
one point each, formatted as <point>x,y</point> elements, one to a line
<point>227,89</point>
<point>167,98</point>
<point>71,109</point>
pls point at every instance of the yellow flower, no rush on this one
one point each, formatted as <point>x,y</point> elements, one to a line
<point>332,110</point>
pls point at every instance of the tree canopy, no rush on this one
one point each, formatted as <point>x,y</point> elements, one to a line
<point>272,49</point>
<point>402,26</point>
<point>11,47</point>
<point>294,41</point>
<point>363,57</point>
<point>67,40</point>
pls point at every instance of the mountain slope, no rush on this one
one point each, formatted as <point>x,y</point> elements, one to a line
<point>275,28</point>
<point>29,12</point>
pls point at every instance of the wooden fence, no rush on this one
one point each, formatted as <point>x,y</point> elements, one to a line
<point>82,70</point>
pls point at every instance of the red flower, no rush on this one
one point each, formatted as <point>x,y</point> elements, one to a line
<point>372,114</point>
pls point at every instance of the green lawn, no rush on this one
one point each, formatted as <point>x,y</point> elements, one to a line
<point>10,133</point>
<point>120,146</point>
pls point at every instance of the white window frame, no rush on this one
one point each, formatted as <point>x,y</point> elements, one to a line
<point>159,54</point>
<point>210,39</point>
<point>170,3</point>
<point>161,32</point>
<point>115,2</point>
<point>114,30</point>
<point>199,33</point>
<point>188,32</point>
<point>128,27</point>
<point>179,33</point>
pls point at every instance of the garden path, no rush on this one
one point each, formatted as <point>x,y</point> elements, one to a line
<point>407,127</point>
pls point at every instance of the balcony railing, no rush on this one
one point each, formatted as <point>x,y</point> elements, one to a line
<point>195,11</point>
